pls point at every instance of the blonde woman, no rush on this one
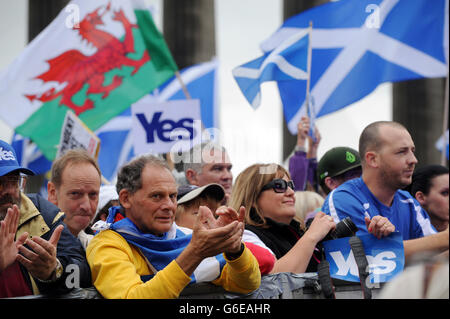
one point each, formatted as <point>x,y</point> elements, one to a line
<point>267,193</point>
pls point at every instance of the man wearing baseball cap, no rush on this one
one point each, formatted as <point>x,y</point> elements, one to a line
<point>191,197</point>
<point>337,166</point>
<point>36,246</point>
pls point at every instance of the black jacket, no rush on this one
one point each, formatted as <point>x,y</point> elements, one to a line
<point>41,220</point>
<point>280,238</point>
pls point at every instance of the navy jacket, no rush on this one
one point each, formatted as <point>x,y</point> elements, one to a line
<point>42,222</point>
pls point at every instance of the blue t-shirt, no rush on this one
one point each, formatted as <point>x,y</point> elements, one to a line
<point>353,199</point>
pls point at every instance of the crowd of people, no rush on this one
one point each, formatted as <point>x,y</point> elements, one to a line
<point>151,235</point>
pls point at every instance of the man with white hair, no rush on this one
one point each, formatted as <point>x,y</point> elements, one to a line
<point>208,163</point>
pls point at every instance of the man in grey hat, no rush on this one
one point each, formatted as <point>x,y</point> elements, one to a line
<point>35,245</point>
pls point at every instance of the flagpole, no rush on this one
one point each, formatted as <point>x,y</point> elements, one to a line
<point>308,68</point>
<point>169,159</point>
<point>183,87</point>
<point>445,124</point>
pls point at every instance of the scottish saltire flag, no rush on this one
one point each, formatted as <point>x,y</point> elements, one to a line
<point>201,83</point>
<point>288,61</point>
<point>29,155</point>
<point>442,144</point>
<point>116,145</point>
<point>385,257</point>
<point>358,44</point>
<point>95,58</point>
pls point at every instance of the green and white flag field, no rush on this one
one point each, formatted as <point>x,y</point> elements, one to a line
<point>96,58</point>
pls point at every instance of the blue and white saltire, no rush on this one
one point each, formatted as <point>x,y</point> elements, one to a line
<point>116,145</point>
<point>359,44</point>
<point>29,155</point>
<point>201,81</point>
<point>442,144</point>
<point>288,61</point>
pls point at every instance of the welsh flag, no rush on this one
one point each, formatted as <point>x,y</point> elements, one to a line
<point>96,58</point>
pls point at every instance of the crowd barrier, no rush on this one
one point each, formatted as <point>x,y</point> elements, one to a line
<point>275,286</point>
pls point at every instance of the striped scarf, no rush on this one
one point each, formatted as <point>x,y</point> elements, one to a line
<point>161,250</point>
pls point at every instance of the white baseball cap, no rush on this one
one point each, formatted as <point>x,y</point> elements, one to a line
<point>107,193</point>
<point>187,193</point>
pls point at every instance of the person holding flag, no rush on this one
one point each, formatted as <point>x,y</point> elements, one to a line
<point>303,163</point>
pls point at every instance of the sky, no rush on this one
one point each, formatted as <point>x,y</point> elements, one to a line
<point>249,135</point>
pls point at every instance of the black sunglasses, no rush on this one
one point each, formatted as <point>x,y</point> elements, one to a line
<point>278,185</point>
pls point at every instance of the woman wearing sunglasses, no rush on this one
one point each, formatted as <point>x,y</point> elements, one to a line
<point>267,193</point>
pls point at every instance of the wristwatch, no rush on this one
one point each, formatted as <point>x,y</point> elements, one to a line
<point>56,274</point>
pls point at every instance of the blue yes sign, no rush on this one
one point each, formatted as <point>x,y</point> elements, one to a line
<point>162,127</point>
<point>385,257</point>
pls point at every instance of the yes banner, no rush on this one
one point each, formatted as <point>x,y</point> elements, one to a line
<point>385,257</point>
<point>170,126</point>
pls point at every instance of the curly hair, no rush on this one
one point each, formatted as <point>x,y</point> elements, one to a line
<point>129,176</point>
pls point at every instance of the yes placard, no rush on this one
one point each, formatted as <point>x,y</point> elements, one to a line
<point>171,126</point>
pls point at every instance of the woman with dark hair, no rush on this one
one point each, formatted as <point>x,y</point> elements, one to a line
<point>430,187</point>
<point>267,193</point>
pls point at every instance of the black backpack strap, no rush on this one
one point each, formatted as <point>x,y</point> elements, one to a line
<point>323,270</point>
<point>363,266</point>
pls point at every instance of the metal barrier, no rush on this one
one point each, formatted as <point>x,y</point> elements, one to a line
<point>275,286</point>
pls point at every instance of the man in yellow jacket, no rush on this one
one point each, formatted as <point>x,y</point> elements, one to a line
<point>145,255</point>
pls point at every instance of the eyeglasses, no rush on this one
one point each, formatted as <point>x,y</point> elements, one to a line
<point>16,181</point>
<point>278,185</point>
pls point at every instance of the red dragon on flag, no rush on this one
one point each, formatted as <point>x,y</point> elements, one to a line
<point>76,69</point>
